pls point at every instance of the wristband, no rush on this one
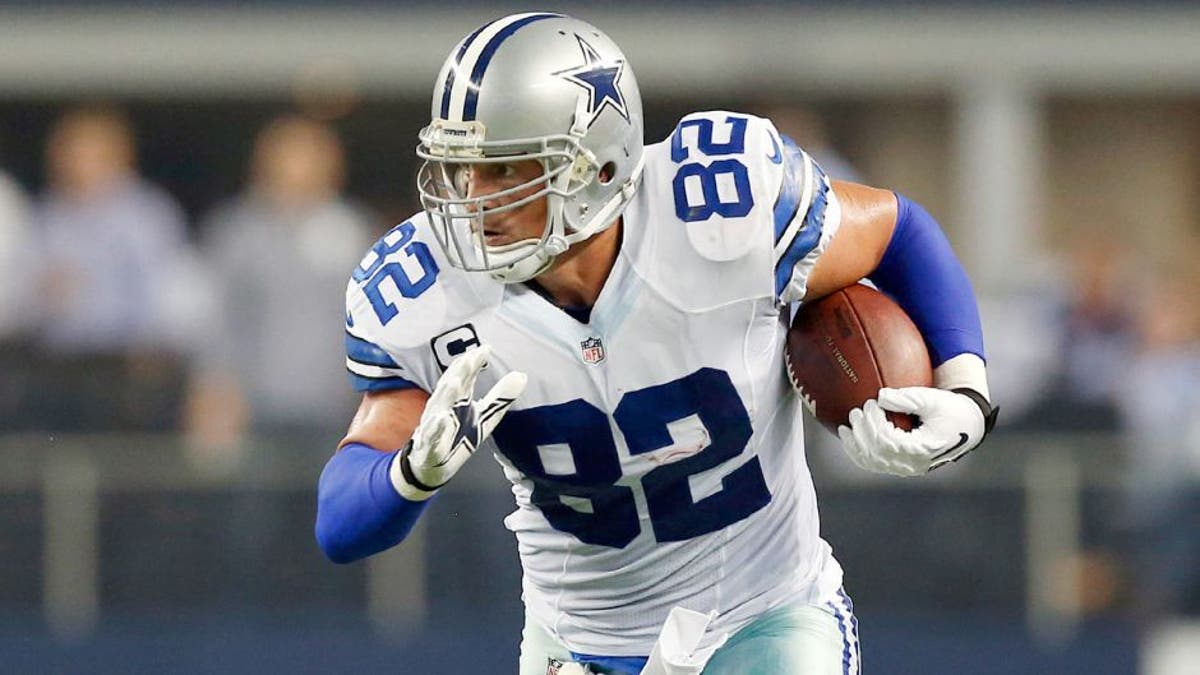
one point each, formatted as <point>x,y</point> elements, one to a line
<point>406,471</point>
<point>985,407</point>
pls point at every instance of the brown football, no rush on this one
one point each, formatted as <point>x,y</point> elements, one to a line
<point>843,348</point>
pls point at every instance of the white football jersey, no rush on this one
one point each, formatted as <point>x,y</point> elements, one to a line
<point>656,455</point>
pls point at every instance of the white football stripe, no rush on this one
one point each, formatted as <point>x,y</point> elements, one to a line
<point>793,227</point>
<point>462,74</point>
<point>372,371</point>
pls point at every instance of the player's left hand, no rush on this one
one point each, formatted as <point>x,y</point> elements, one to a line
<point>453,425</point>
<point>951,425</point>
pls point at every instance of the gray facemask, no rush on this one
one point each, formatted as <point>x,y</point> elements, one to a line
<point>532,86</point>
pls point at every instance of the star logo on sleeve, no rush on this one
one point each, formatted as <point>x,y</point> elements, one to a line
<point>599,79</point>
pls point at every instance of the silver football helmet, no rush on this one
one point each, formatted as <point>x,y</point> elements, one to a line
<point>535,86</point>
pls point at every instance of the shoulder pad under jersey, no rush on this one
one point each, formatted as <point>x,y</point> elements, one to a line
<point>400,298</point>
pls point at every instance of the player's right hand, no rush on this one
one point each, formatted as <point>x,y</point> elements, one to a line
<point>453,424</point>
<point>952,424</point>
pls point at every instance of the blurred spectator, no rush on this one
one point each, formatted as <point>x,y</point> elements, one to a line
<point>15,260</point>
<point>16,265</point>
<point>1096,334</point>
<point>282,253</point>
<point>1159,402</point>
<point>1023,321</point>
<point>117,281</point>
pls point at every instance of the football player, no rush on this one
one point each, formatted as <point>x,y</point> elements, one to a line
<point>610,318</point>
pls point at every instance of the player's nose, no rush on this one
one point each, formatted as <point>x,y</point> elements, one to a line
<point>485,193</point>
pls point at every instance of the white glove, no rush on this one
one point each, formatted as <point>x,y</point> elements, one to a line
<point>452,425</point>
<point>952,423</point>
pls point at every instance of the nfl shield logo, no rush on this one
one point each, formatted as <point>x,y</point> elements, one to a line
<point>557,667</point>
<point>593,350</point>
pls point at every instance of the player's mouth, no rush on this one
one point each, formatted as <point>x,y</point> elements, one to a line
<point>495,237</point>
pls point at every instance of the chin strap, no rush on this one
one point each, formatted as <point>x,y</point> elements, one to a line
<point>559,240</point>
<point>558,243</point>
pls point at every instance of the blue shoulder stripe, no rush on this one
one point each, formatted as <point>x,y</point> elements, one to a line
<point>807,236</point>
<point>361,383</point>
<point>485,57</point>
<point>368,353</point>
<point>790,191</point>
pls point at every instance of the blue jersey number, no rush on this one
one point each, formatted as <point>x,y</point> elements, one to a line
<point>584,498</point>
<point>708,175</point>
<point>378,271</point>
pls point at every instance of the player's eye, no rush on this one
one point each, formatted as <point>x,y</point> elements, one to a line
<point>496,171</point>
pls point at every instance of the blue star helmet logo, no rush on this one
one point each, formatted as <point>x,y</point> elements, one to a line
<point>599,79</point>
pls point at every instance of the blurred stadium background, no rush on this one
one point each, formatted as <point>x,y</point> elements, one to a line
<point>171,165</point>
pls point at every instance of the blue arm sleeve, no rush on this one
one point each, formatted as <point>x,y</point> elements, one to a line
<point>920,270</point>
<point>358,511</point>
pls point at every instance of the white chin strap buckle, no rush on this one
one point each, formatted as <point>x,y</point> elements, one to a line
<point>556,245</point>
